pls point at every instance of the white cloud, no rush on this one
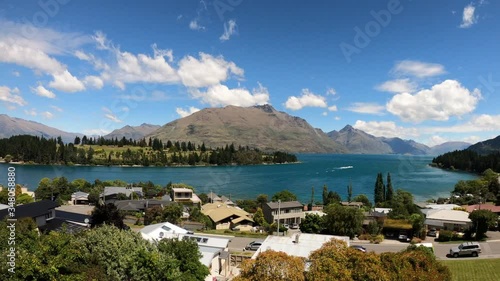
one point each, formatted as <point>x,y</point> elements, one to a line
<point>96,132</point>
<point>479,123</point>
<point>439,103</point>
<point>66,82</point>
<point>337,118</point>
<point>189,111</point>
<point>472,139</point>
<point>307,99</point>
<point>207,71</point>
<point>229,30</point>
<point>109,115</point>
<point>93,81</point>
<point>31,112</point>
<point>436,140</point>
<point>367,108</point>
<point>16,73</point>
<point>36,51</point>
<point>418,69</point>
<point>47,115</point>
<point>397,86</point>
<point>41,91</point>
<point>221,95</point>
<point>11,96</point>
<point>194,25</point>
<point>324,113</point>
<point>385,129</point>
<point>332,108</point>
<point>58,109</point>
<point>331,92</point>
<point>468,18</point>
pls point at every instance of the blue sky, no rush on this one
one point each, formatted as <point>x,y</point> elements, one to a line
<point>422,70</point>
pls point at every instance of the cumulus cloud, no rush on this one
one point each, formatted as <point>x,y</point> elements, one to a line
<point>229,30</point>
<point>11,96</point>
<point>96,132</point>
<point>37,51</point>
<point>332,108</point>
<point>58,109</point>
<point>189,111</point>
<point>439,103</point>
<point>331,92</point>
<point>307,99</point>
<point>66,82</point>
<point>385,129</point>
<point>418,69</point>
<point>41,91</point>
<point>397,86</point>
<point>93,81</point>
<point>221,95</point>
<point>206,71</point>
<point>479,123</point>
<point>468,18</point>
<point>366,108</point>
<point>436,140</point>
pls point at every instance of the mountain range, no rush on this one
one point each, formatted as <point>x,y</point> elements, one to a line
<point>261,127</point>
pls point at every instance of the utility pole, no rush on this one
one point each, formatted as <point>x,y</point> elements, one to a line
<point>279,211</point>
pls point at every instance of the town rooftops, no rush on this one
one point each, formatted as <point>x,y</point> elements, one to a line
<point>181,189</point>
<point>80,195</point>
<point>220,211</point>
<point>441,206</point>
<point>111,190</point>
<point>448,215</point>
<point>298,245</point>
<point>285,205</point>
<point>161,230</point>
<point>32,210</point>
<point>491,207</point>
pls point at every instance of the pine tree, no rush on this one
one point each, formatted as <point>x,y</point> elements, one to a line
<point>379,190</point>
<point>390,191</point>
<point>349,192</point>
<point>325,195</point>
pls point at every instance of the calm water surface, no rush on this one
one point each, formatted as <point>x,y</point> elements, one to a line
<point>411,173</point>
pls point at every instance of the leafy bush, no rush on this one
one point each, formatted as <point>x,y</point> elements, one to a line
<point>445,235</point>
<point>364,236</point>
<point>377,239</point>
<point>415,240</point>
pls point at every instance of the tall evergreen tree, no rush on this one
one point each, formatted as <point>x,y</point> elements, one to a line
<point>349,192</point>
<point>325,195</point>
<point>389,193</point>
<point>379,190</point>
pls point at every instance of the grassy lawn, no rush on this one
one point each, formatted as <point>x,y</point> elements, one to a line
<point>474,269</point>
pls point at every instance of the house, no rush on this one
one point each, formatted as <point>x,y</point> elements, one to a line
<point>184,195</point>
<point>298,245</point>
<point>213,198</point>
<point>226,201</point>
<point>352,204</point>
<point>40,212</point>
<point>80,197</point>
<point>162,230</point>
<point>213,249</point>
<point>228,217</point>
<point>317,212</point>
<point>287,212</point>
<point>111,192</point>
<point>24,190</point>
<point>487,206</point>
<point>140,205</point>
<point>448,220</point>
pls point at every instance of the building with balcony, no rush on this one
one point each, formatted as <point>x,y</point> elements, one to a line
<point>287,212</point>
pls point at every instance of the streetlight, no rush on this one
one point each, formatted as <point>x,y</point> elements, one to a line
<point>279,205</point>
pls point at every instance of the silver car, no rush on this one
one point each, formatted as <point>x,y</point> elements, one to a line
<point>466,249</point>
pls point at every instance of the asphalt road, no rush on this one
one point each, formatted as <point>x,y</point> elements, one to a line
<point>490,249</point>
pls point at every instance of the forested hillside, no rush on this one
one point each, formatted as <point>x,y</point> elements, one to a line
<point>468,160</point>
<point>100,151</point>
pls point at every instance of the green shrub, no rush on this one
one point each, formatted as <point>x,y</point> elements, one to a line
<point>376,239</point>
<point>445,235</point>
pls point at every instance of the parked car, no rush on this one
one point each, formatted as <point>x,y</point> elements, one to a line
<point>404,238</point>
<point>359,248</point>
<point>432,232</point>
<point>286,226</point>
<point>466,249</point>
<point>253,246</point>
<point>295,226</point>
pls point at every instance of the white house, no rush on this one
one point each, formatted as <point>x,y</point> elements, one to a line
<point>298,245</point>
<point>448,220</point>
<point>162,230</point>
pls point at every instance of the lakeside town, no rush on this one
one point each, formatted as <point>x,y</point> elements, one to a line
<point>230,238</point>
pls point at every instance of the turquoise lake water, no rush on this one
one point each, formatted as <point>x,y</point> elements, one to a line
<point>410,173</point>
